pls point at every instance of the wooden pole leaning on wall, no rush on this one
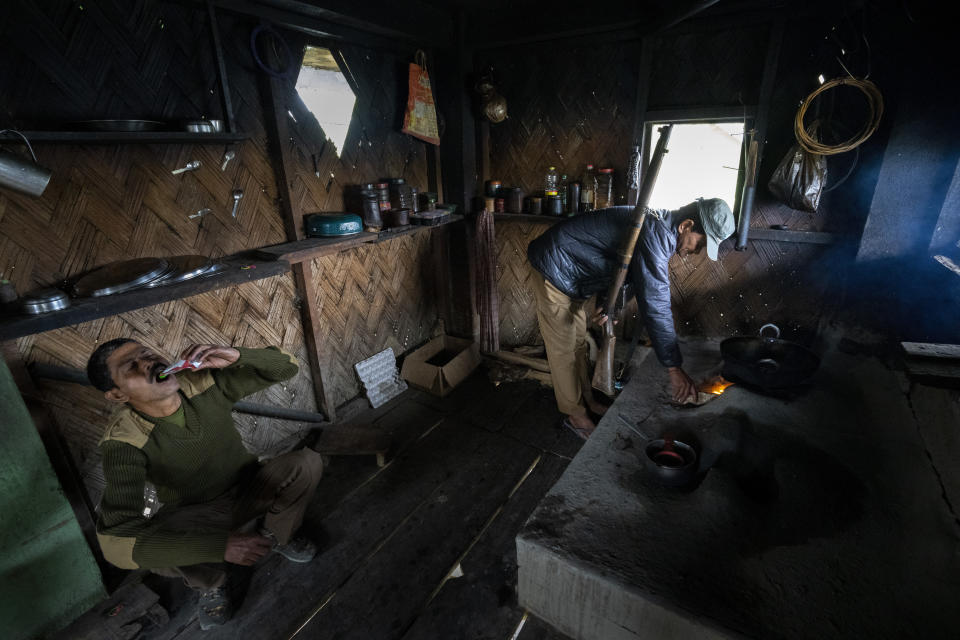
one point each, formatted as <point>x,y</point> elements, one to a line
<point>274,90</point>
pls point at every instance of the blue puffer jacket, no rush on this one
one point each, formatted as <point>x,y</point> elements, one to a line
<point>579,257</point>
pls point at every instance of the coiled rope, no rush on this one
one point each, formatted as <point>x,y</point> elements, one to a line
<point>874,104</point>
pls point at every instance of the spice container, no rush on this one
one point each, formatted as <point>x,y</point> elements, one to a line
<point>383,196</point>
<point>414,200</point>
<point>535,205</point>
<point>553,206</point>
<point>604,189</point>
<point>491,188</point>
<point>498,205</point>
<point>573,197</point>
<point>514,200</point>
<point>397,217</point>
<point>371,210</point>
<point>489,204</point>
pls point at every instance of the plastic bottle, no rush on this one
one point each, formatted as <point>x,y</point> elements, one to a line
<point>604,197</point>
<point>588,189</point>
<point>562,191</point>
<point>550,182</point>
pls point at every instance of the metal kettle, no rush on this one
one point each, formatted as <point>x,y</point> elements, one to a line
<point>20,175</point>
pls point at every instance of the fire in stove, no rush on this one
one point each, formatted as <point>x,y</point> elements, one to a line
<point>715,385</point>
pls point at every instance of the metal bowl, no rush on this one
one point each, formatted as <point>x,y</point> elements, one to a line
<point>44,300</point>
<point>204,126</point>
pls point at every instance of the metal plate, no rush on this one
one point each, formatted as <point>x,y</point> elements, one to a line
<point>120,125</point>
<point>182,268</point>
<point>120,276</point>
<point>44,300</point>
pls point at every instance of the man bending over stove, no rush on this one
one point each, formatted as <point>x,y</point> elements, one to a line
<point>578,258</point>
<point>177,432</point>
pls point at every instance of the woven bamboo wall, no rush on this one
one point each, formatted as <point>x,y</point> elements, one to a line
<point>372,297</point>
<point>585,114</point>
<point>112,202</point>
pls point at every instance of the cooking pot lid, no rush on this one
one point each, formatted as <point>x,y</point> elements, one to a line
<point>120,276</point>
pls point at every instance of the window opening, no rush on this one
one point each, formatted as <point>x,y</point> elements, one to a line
<point>326,94</point>
<point>703,161</point>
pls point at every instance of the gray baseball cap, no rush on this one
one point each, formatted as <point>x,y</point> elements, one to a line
<point>717,221</point>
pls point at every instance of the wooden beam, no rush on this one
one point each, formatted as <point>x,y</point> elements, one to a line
<point>705,113</point>
<point>539,364</point>
<point>766,84</point>
<point>275,111</point>
<point>221,69</point>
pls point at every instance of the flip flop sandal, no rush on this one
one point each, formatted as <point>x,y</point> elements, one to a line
<point>581,433</point>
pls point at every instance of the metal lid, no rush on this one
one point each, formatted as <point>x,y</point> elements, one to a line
<point>120,276</point>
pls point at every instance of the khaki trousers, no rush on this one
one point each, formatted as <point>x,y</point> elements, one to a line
<point>280,492</point>
<point>563,325</point>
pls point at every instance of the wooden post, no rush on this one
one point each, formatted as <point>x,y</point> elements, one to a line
<point>640,137</point>
<point>275,110</point>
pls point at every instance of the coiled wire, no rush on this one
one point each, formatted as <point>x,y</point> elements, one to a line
<point>874,104</point>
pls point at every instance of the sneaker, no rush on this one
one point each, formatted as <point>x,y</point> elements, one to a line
<point>299,549</point>
<point>214,608</point>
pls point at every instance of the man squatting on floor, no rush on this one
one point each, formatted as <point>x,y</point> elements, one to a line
<point>577,259</point>
<point>178,434</point>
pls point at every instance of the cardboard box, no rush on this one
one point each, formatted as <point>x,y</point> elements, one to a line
<point>441,364</point>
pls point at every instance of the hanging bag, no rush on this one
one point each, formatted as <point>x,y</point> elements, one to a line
<point>799,179</point>
<point>420,119</point>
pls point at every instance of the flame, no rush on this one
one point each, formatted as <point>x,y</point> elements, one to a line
<point>715,385</point>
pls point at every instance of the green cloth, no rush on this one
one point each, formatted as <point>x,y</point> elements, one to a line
<point>177,418</point>
<point>188,465</point>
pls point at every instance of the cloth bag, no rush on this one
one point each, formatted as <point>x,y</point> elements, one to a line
<point>799,179</point>
<point>420,119</point>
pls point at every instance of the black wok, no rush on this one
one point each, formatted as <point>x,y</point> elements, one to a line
<point>767,362</point>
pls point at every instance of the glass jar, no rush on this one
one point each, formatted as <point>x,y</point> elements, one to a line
<point>605,189</point>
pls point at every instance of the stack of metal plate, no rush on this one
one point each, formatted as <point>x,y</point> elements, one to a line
<point>186,267</point>
<point>118,277</point>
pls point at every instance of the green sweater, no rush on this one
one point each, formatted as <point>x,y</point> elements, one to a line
<point>188,465</point>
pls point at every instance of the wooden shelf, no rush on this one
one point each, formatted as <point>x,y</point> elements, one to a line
<point>789,235</point>
<point>527,217</point>
<point>272,261</point>
<point>310,248</point>
<point>124,137</point>
<point>757,233</point>
<point>238,271</point>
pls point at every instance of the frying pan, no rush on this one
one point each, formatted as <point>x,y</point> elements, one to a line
<point>766,362</point>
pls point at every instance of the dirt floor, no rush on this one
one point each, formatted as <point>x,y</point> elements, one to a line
<point>420,549</point>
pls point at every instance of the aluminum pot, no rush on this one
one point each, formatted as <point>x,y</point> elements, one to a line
<point>19,174</point>
<point>766,362</point>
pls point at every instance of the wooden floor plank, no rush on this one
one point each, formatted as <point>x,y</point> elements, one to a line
<point>537,423</point>
<point>483,602</point>
<point>382,598</point>
<point>281,593</point>
<point>498,404</point>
